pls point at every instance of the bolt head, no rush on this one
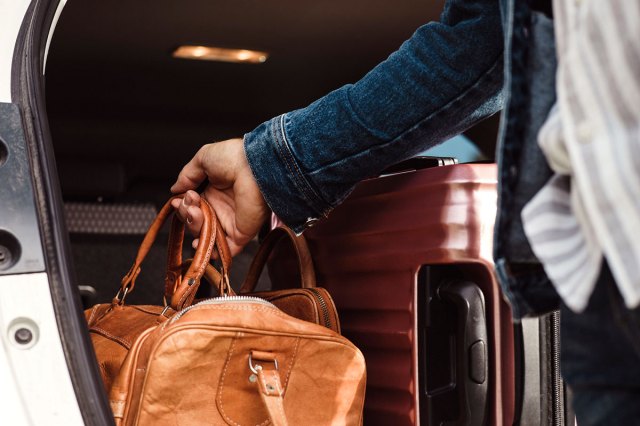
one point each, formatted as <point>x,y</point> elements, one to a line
<point>23,336</point>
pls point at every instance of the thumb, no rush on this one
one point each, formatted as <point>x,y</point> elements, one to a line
<point>192,174</point>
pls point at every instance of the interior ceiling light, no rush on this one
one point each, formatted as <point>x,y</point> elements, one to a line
<point>208,53</point>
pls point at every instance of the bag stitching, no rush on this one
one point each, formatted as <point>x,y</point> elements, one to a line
<point>105,333</point>
<point>290,366</point>
<point>167,283</point>
<point>200,271</point>
<point>221,386</point>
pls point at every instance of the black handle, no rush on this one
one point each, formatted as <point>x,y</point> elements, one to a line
<point>472,366</point>
<point>455,355</point>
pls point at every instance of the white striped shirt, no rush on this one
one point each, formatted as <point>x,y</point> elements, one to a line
<point>590,208</point>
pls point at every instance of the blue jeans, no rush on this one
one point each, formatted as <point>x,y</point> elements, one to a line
<point>600,357</point>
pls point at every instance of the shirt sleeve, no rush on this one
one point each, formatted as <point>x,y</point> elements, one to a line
<point>441,81</point>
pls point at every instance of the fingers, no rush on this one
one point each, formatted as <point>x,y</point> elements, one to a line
<point>232,191</point>
<point>188,210</point>
<point>234,247</point>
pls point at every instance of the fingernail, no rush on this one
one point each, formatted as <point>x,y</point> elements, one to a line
<point>189,219</point>
<point>185,202</point>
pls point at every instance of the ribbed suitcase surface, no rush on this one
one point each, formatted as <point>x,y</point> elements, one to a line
<point>370,254</point>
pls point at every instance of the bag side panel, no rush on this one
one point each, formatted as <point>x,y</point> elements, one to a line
<point>199,374</point>
<point>114,329</point>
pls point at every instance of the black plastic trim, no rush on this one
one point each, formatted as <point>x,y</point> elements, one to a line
<point>453,353</point>
<point>28,92</point>
<point>20,245</point>
<point>528,373</point>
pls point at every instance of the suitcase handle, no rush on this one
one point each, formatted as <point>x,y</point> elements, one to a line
<point>471,377</point>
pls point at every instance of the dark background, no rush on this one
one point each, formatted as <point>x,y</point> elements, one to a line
<point>125,112</point>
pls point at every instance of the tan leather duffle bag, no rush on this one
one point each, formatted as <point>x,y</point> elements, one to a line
<point>239,360</point>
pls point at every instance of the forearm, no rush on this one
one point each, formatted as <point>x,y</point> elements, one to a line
<point>441,81</point>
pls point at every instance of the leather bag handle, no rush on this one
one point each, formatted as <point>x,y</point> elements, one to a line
<point>173,279</point>
<point>305,263</point>
<point>211,236</point>
<point>186,285</point>
<point>213,277</point>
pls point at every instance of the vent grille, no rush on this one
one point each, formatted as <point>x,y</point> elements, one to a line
<point>113,219</point>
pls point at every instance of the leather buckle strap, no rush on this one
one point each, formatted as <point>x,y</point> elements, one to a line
<point>269,386</point>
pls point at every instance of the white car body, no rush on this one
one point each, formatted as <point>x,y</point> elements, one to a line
<point>35,382</point>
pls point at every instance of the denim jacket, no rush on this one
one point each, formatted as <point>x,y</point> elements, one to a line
<point>482,56</point>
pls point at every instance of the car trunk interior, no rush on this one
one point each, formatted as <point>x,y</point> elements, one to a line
<point>125,115</point>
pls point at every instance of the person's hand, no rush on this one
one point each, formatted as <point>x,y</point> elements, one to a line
<point>232,192</point>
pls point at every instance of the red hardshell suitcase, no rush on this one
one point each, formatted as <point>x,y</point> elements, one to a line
<point>408,260</point>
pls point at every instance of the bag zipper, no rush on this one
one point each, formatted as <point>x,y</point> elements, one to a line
<point>323,306</point>
<point>557,390</point>
<point>221,300</point>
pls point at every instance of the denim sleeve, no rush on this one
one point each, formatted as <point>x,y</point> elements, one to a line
<point>442,80</point>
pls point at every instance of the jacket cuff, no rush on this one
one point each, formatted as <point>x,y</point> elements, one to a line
<point>528,291</point>
<point>280,177</point>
